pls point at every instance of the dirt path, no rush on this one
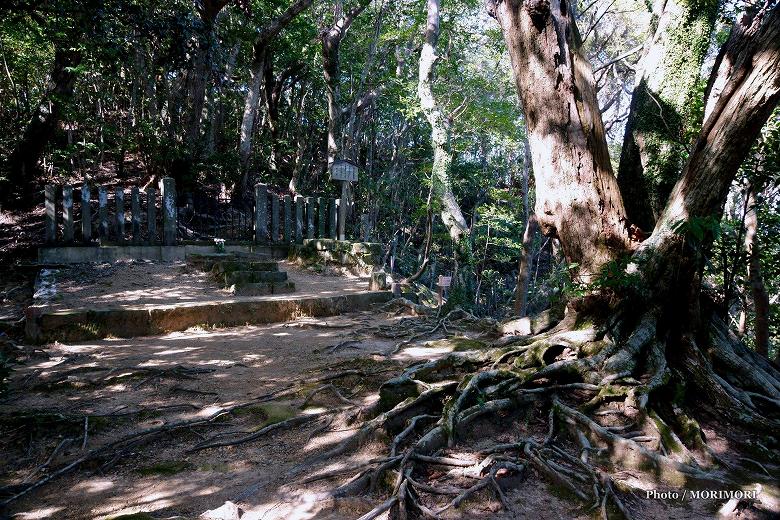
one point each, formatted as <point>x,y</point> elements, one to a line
<point>145,283</point>
<point>124,386</point>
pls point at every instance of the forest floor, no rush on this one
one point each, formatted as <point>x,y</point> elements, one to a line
<point>68,400</point>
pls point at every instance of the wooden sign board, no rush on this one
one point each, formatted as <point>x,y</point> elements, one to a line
<point>445,281</point>
<point>342,170</point>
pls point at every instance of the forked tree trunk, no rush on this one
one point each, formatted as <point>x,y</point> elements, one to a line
<point>577,195</point>
<point>451,214</point>
<point>663,114</point>
<point>331,46</point>
<point>252,99</point>
<point>743,90</point>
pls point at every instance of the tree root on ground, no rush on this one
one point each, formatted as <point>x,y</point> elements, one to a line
<point>606,394</point>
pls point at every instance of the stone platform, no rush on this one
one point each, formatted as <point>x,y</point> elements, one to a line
<point>78,324</point>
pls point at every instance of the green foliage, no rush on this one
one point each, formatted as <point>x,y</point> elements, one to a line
<point>698,229</point>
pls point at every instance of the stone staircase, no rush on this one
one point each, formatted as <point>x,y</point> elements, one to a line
<point>244,274</point>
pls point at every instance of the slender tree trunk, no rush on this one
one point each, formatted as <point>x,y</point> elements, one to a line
<point>755,278</point>
<point>300,140</point>
<point>663,113</point>
<point>451,214</point>
<point>249,118</point>
<point>526,255</point>
<point>200,74</point>
<point>331,45</point>
<point>24,160</point>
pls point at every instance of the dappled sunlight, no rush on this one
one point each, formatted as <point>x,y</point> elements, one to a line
<point>45,512</point>
<point>94,485</point>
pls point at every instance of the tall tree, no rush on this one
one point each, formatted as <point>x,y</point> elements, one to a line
<point>664,111</point>
<point>577,196</point>
<point>261,45</point>
<point>441,125</point>
<point>331,37</point>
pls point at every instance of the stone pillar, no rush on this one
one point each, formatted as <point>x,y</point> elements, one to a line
<point>135,214</point>
<point>322,216</point>
<point>287,219</point>
<point>274,217</point>
<point>119,223</point>
<point>86,213</point>
<point>151,214</point>
<point>310,217</point>
<point>67,214</point>
<point>332,218</point>
<point>261,213</point>
<point>168,193</point>
<point>365,228</point>
<point>343,211</point>
<point>50,227</point>
<point>298,219</point>
<point>103,212</point>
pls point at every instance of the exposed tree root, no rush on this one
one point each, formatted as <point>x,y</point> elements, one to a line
<point>605,388</point>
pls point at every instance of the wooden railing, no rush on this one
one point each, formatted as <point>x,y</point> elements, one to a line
<point>104,216</point>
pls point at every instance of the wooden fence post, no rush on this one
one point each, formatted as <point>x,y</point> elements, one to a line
<point>261,213</point>
<point>120,214</point>
<point>168,192</point>
<point>86,213</point>
<point>151,214</point>
<point>50,228</point>
<point>274,217</point>
<point>332,218</point>
<point>287,219</point>
<point>67,214</point>
<point>135,214</point>
<point>103,211</point>
<point>322,216</point>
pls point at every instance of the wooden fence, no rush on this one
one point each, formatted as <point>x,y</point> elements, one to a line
<point>104,215</point>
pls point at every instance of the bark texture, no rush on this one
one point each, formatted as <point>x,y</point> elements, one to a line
<point>577,195</point>
<point>664,111</point>
<point>743,90</point>
<point>441,125</point>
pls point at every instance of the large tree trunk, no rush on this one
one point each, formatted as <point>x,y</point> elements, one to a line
<point>577,195</point>
<point>663,114</point>
<point>26,156</point>
<point>451,214</point>
<point>617,366</point>
<point>743,90</point>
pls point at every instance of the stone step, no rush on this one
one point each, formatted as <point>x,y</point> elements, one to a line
<point>229,266</point>
<point>261,289</point>
<point>206,261</point>
<point>245,277</point>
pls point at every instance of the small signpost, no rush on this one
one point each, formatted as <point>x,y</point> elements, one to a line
<point>345,172</point>
<point>443,284</point>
